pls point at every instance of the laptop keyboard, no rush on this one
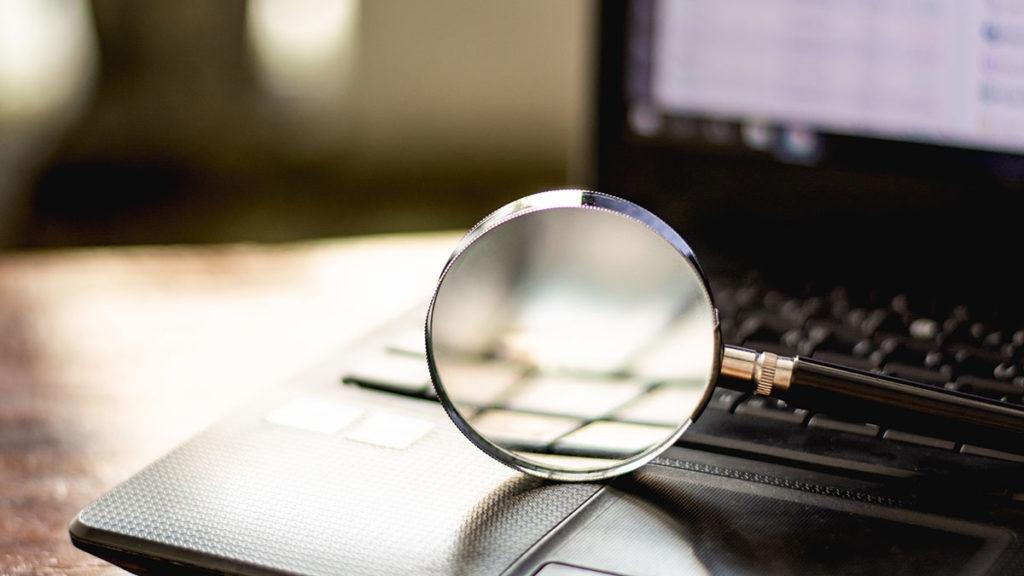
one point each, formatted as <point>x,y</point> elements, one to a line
<point>944,345</point>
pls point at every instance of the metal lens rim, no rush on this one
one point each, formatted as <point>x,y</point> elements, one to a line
<point>561,199</point>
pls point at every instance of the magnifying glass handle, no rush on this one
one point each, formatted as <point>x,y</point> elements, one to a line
<point>884,400</point>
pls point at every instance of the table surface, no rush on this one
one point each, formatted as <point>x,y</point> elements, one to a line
<point>110,357</point>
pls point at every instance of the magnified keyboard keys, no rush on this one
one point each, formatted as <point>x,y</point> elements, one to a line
<point>587,398</point>
<point>613,438</point>
<point>525,430</point>
<point>664,405</point>
<point>481,384</point>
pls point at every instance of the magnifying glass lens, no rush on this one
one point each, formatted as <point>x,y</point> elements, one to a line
<point>572,336</point>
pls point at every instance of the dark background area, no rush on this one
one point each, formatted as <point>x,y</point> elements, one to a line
<point>163,122</point>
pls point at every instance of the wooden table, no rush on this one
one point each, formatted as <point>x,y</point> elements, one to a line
<point>110,357</point>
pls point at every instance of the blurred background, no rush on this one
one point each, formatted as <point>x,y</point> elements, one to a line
<point>187,121</point>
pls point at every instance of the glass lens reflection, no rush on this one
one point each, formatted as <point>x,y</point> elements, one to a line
<point>572,339</point>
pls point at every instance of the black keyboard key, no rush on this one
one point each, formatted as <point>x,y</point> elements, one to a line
<point>1006,371</point>
<point>762,327</point>
<point>907,437</point>
<point>917,374</point>
<point>772,409</point>
<point>995,389</point>
<point>888,322</point>
<point>766,438</point>
<point>1017,340</point>
<point>834,336</point>
<point>828,423</point>
<point>964,333</point>
<point>837,303</point>
<point>732,298</point>
<point>994,339</point>
<point>724,399</point>
<point>924,329</point>
<point>870,322</point>
<point>780,348</point>
<point>911,351</point>
<point>990,453</point>
<point>797,311</point>
<point>982,362</point>
<point>866,364</point>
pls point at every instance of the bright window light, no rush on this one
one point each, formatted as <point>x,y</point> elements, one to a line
<point>303,48</point>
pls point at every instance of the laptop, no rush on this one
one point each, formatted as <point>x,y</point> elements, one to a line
<point>849,175</point>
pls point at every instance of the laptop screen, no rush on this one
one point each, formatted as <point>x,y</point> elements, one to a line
<point>779,76</point>
<point>855,132</point>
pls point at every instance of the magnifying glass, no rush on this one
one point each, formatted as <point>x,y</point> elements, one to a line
<point>572,335</point>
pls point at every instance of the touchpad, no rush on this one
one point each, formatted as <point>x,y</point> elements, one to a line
<point>668,521</point>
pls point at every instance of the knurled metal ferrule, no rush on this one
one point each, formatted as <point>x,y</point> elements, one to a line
<point>764,373</point>
<point>769,372</point>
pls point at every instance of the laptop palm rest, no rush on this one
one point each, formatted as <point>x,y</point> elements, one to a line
<point>391,487</point>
